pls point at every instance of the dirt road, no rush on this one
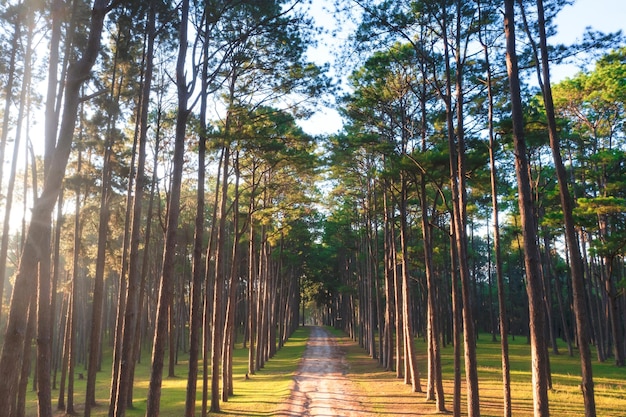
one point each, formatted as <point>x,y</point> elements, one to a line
<point>320,385</point>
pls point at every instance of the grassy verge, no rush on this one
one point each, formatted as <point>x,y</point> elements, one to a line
<point>260,395</point>
<point>383,393</point>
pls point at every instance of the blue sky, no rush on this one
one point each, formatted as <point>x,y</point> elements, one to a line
<point>603,15</point>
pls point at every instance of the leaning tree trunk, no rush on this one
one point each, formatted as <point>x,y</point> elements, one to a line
<point>37,240</point>
<point>531,250</point>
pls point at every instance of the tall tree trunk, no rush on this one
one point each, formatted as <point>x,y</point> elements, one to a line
<point>38,238</point>
<point>198,273</point>
<point>220,273</point>
<point>3,141</point>
<point>208,295</point>
<point>389,285</point>
<point>456,145</point>
<point>252,280</point>
<point>95,337</point>
<point>173,212</point>
<point>434,352</point>
<point>56,257</point>
<point>124,267</point>
<point>502,312</point>
<point>61,405</point>
<point>72,346</point>
<point>132,305</point>
<point>582,326</point>
<point>19,410</point>
<point>456,324</point>
<point>229,324</point>
<point>412,375</point>
<point>399,322</point>
<point>531,250</point>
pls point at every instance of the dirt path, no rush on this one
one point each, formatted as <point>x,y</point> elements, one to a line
<point>320,385</point>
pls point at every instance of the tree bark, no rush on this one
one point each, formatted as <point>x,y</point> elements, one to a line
<point>412,373</point>
<point>217,336</point>
<point>72,348</point>
<point>456,145</point>
<point>582,326</point>
<point>173,212</point>
<point>531,250</point>
<point>198,273</point>
<point>3,141</point>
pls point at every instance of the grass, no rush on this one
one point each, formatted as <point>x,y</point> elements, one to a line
<point>260,395</point>
<point>263,393</point>
<point>388,396</point>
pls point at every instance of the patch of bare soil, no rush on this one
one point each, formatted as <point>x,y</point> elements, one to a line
<point>320,385</point>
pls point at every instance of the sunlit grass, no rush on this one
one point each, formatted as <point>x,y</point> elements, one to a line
<point>388,396</point>
<point>379,390</point>
<point>260,395</point>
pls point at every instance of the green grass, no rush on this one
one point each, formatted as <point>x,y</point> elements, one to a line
<point>263,393</point>
<point>389,396</point>
<point>260,395</point>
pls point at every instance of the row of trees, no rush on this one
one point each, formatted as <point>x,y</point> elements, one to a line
<point>181,188</point>
<point>175,207</point>
<point>449,122</point>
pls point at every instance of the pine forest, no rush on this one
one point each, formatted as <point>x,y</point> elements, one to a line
<point>170,194</point>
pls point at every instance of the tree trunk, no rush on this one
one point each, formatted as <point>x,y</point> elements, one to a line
<point>72,346</point>
<point>217,337</point>
<point>3,141</point>
<point>61,405</point>
<point>95,339</point>
<point>412,375</point>
<point>436,379</point>
<point>531,251</point>
<point>582,326</point>
<point>397,283</point>
<point>208,296</point>
<point>252,282</point>
<point>20,407</point>
<point>229,324</point>
<point>502,312</point>
<point>456,145</point>
<point>198,273</point>
<point>173,212</point>
<point>389,285</point>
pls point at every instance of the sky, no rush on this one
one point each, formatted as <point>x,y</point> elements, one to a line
<point>603,15</point>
